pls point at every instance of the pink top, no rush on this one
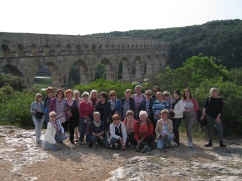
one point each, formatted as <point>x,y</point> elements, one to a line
<point>129,125</point>
<point>85,109</point>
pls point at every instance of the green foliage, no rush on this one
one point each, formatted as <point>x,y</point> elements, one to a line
<point>15,106</point>
<point>74,75</point>
<point>17,83</point>
<point>221,39</point>
<point>106,85</point>
<point>101,72</point>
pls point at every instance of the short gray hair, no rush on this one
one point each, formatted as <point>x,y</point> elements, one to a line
<point>76,92</point>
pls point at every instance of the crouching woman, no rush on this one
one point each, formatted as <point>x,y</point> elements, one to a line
<point>118,133</point>
<point>164,130</point>
<point>54,134</point>
<point>97,130</point>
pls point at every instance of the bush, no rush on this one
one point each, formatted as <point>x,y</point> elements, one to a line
<point>15,107</point>
<point>106,85</point>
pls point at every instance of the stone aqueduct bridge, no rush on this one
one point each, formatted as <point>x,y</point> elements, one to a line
<point>23,53</point>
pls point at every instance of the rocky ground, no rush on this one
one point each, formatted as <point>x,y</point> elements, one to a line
<point>22,159</point>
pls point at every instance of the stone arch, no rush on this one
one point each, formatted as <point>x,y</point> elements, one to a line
<point>108,68</point>
<point>13,70</point>
<point>68,48</point>
<point>55,73</point>
<point>94,48</point>
<point>5,48</point>
<point>106,48</point>
<point>124,69</point>
<point>83,71</point>
<point>78,48</point>
<point>47,49</point>
<point>149,66</point>
<point>34,51</point>
<point>137,70</point>
<point>20,49</point>
<point>58,49</point>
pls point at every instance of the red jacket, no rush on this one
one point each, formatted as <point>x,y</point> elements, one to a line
<point>137,136</point>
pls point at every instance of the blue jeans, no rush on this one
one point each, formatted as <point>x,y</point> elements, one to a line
<point>113,141</point>
<point>38,125</point>
<point>82,127</point>
<point>58,138</point>
<point>161,142</point>
<point>211,121</point>
<point>47,145</point>
<point>103,142</point>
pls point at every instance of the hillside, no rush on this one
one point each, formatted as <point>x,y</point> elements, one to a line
<point>220,39</point>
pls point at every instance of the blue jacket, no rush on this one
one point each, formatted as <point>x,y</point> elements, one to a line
<point>117,109</point>
<point>34,107</point>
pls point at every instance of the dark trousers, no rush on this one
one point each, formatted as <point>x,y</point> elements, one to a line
<point>131,140</point>
<point>147,141</point>
<point>176,123</point>
<point>71,128</point>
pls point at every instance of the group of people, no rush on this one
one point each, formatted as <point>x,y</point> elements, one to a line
<point>135,121</point>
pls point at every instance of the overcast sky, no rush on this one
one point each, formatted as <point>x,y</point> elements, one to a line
<point>98,16</point>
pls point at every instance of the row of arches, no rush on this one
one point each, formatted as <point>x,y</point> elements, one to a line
<point>58,49</point>
<point>125,69</point>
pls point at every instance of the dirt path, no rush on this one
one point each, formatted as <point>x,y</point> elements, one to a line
<point>22,159</point>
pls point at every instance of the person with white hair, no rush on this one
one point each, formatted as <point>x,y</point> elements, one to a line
<point>213,110</point>
<point>143,133</point>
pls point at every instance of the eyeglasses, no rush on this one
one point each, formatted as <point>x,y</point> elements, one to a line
<point>116,119</point>
<point>166,95</point>
<point>53,116</point>
<point>112,95</point>
<point>85,96</point>
<point>148,94</point>
<point>60,92</point>
<point>49,92</point>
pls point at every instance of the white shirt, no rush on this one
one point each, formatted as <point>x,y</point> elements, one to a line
<point>123,130</point>
<point>179,109</point>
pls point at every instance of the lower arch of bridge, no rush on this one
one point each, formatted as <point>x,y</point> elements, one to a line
<point>108,68</point>
<point>55,74</point>
<point>13,70</point>
<point>83,71</point>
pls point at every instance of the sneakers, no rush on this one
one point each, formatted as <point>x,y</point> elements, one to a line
<point>189,143</point>
<point>145,149</point>
<point>209,144</point>
<point>137,148</point>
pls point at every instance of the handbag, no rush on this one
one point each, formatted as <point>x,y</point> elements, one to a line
<point>39,115</point>
<point>172,114</point>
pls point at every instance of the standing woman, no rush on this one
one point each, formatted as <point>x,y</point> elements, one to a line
<point>177,109</point>
<point>58,104</point>
<point>190,114</point>
<point>213,109</point>
<point>138,97</point>
<point>127,104</point>
<point>37,110</point>
<point>49,96</point>
<point>94,98</point>
<point>104,107</point>
<point>86,110</point>
<point>78,100</point>
<point>72,112</point>
<point>115,104</point>
<point>147,104</point>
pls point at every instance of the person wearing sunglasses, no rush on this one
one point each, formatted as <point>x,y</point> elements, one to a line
<point>147,104</point>
<point>86,110</point>
<point>54,134</point>
<point>155,90</point>
<point>58,104</point>
<point>115,104</point>
<point>118,133</point>
<point>47,99</point>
